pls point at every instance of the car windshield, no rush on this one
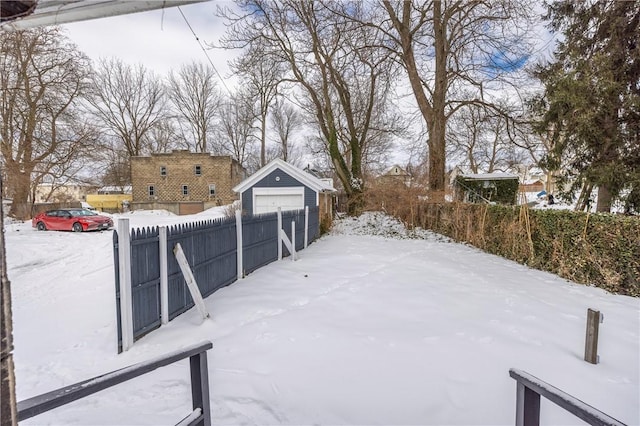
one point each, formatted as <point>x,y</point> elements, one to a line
<point>82,212</point>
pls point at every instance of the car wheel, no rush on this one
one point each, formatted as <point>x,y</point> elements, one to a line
<point>41,226</point>
<point>76,227</point>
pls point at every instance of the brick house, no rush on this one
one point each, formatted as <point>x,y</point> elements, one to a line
<point>183,182</point>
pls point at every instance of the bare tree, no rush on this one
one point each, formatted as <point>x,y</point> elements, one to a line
<point>236,127</point>
<point>43,79</point>
<point>452,52</point>
<point>195,95</point>
<point>128,101</point>
<point>344,79</point>
<point>166,135</point>
<point>285,121</point>
<point>481,139</point>
<point>261,74</point>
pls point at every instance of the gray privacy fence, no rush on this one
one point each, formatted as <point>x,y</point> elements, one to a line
<point>151,288</point>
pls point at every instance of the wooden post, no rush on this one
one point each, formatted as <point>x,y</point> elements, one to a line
<point>527,406</point>
<point>200,386</point>
<point>126,302</point>
<point>164,276</point>
<point>594,318</point>
<point>239,246</point>
<point>191,281</point>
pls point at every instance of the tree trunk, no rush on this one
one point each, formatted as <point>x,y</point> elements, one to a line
<point>8,411</point>
<point>584,200</point>
<point>604,199</point>
<point>20,194</point>
<point>263,140</point>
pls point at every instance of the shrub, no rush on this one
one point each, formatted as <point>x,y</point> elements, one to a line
<point>595,249</point>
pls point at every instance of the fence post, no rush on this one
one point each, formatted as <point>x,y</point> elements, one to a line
<point>279,237</point>
<point>594,318</point>
<point>306,226</point>
<point>164,275</point>
<point>239,244</point>
<point>126,302</point>
<point>293,240</point>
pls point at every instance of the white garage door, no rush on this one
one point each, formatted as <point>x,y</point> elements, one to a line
<point>267,200</point>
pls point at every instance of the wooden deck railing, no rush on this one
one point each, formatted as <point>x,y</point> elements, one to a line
<point>197,354</point>
<point>529,390</point>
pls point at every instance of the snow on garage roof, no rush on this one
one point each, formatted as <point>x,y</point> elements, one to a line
<point>302,176</point>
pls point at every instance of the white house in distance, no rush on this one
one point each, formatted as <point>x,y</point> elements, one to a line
<point>282,185</point>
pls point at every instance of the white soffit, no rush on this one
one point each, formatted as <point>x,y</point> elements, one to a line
<point>55,12</point>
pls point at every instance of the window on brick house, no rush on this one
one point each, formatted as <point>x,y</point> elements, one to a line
<point>212,189</point>
<point>163,170</point>
<point>197,170</point>
<point>185,190</point>
<point>151,190</point>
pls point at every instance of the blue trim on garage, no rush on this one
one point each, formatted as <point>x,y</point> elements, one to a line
<point>270,181</point>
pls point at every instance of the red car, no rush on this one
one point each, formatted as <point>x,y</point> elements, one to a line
<point>76,220</point>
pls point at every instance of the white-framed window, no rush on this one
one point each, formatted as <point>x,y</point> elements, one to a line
<point>185,190</point>
<point>197,169</point>
<point>163,170</point>
<point>212,189</point>
<point>151,190</point>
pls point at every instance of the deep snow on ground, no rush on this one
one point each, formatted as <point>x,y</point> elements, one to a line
<point>373,325</point>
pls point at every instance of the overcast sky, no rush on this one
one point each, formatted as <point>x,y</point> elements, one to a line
<point>160,39</point>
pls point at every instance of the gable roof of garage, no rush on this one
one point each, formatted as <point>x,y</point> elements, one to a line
<point>300,175</point>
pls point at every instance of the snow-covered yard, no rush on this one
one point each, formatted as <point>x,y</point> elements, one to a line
<point>363,329</point>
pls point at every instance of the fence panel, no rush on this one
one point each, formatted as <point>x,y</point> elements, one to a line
<point>210,248</point>
<point>298,217</point>
<point>314,223</point>
<point>145,280</point>
<point>259,241</point>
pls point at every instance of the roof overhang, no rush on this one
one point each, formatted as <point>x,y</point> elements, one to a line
<point>490,176</point>
<point>23,14</point>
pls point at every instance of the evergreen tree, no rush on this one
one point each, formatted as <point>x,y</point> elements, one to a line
<point>592,98</point>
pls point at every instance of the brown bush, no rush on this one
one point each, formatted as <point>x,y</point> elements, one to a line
<point>596,249</point>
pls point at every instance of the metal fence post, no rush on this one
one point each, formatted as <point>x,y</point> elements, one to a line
<point>306,226</point>
<point>200,386</point>
<point>126,302</point>
<point>164,275</point>
<point>239,244</point>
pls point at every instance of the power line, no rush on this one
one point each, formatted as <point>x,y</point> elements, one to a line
<point>204,50</point>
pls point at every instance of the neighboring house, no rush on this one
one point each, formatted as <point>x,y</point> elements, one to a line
<point>532,185</point>
<point>183,182</point>
<point>282,185</point>
<point>487,187</point>
<point>394,175</point>
<point>49,193</point>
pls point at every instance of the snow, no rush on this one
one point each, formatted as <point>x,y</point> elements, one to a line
<point>373,325</point>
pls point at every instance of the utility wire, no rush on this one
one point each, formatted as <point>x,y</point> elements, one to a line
<point>204,50</point>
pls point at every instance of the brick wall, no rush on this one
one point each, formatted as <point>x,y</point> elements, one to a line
<point>179,169</point>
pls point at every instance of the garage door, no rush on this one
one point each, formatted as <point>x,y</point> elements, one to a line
<point>267,201</point>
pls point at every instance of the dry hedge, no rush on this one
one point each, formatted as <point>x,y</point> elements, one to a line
<point>595,249</point>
